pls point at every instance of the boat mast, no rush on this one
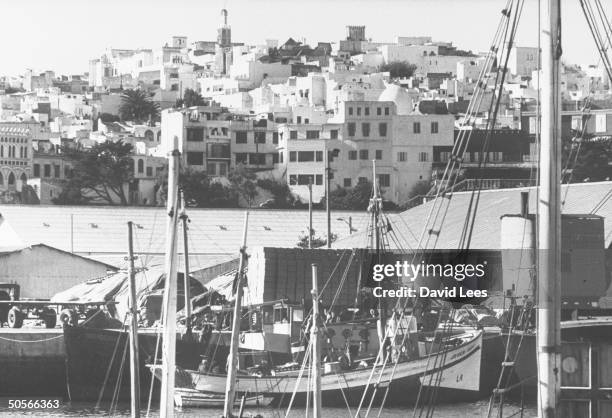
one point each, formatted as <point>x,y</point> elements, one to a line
<point>166,408</point>
<point>230,383</point>
<point>375,204</point>
<point>549,218</point>
<point>316,347</point>
<point>186,282</point>
<point>134,354</point>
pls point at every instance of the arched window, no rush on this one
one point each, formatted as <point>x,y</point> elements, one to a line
<point>132,165</point>
<point>149,135</point>
<point>1,150</point>
<point>24,179</point>
<point>158,135</point>
<point>25,152</point>
<point>1,179</point>
<point>11,179</point>
<point>140,166</point>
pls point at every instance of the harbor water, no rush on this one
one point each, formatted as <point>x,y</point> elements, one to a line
<point>462,410</point>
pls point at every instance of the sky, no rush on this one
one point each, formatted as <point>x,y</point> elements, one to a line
<point>63,35</point>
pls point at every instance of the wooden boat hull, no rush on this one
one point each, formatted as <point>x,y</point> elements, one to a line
<point>92,353</point>
<point>191,398</point>
<point>453,376</point>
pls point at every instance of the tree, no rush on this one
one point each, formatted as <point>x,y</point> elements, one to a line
<point>356,198</point>
<point>591,163</point>
<point>99,173</point>
<point>316,242</point>
<point>137,106</point>
<point>416,194</point>
<point>200,191</point>
<point>243,183</point>
<point>190,98</point>
<point>281,194</point>
<point>399,69</point>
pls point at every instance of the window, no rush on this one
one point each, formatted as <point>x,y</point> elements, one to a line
<point>386,111</point>
<point>312,134</point>
<point>350,111</point>
<point>292,180</point>
<point>402,156</point>
<point>365,129</point>
<point>306,120</point>
<point>299,119</point>
<point>444,156</point>
<point>379,154</point>
<point>222,169</point>
<point>600,123</point>
<point>495,156</point>
<point>362,180</point>
<point>195,134</point>
<point>211,169</point>
<point>434,127</point>
<point>351,129</point>
<point>241,158</point>
<point>379,111</point>
<point>319,179</point>
<point>363,154</point>
<point>140,166</point>
<point>241,137</point>
<point>292,134</point>
<point>352,155</point>
<point>304,179</point>
<point>306,156</point>
<point>416,127</point>
<point>347,182</point>
<point>275,137</point>
<point>292,156</point>
<point>423,157</point>
<point>257,158</point>
<point>149,171</point>
<point>56,171</point>
<point>333,134</point>
<point>47,172</point>
<point>260,137</point>
<point>274,158</point>
<point>384,180</point>
<point>358,111</point>
<point>319,155</point>
<point>36,170</point>
<point>195,158</point>
<point>366,111</point>
<point>382,129</point>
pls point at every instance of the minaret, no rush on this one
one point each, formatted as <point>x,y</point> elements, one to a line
<point>224,43</point>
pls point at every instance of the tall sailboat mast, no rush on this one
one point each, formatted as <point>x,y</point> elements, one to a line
<point>316,346</point>
<point>166,408</point>
<point>549,218</point>
<point>230,383</point>
<point>134,354</point>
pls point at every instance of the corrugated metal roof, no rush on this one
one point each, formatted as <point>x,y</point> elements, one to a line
<point>581,198</point>
<point>101,232</point>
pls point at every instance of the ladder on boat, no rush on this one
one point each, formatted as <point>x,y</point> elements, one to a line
<point>504,385</point>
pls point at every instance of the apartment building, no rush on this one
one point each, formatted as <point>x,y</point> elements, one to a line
<point>15,156</point>
<point>203,134</point>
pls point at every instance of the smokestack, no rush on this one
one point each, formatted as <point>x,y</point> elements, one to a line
<point>524,204</point>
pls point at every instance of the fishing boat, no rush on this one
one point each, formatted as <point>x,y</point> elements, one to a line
<point>457,376</point>
<point>191,398</point>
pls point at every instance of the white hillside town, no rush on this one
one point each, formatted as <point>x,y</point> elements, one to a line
<point>283,208</point>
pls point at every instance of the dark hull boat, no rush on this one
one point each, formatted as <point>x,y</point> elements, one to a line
<point>454,375</point>
<point>97,360</point>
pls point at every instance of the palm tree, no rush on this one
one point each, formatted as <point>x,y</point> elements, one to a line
<point>137,106</point>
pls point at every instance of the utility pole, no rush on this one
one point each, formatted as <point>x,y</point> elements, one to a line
<point>134,354</point>
<point>186,281</point>
<point>316,346</point>
<point>310,212</point>
<point>549,220</point>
